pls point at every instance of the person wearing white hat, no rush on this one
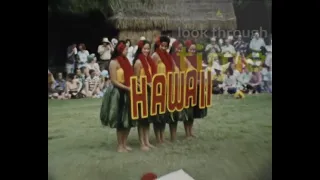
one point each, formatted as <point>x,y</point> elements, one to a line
<point>135,48</point>
<point>105,50</point>
<point>142,38</point>
<point>114,42</point>
<point>255,45</point>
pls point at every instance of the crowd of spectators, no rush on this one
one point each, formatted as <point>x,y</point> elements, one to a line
<point>235,65</point>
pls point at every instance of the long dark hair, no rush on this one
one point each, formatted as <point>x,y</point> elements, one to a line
<point>192,43</point>
<point>162,39</point>
<point>173,48</point>
<point>139,51</point>
<point>128,40</point>
<point>116,53</point>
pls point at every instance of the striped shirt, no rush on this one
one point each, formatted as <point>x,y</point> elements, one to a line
<point>92,82</point>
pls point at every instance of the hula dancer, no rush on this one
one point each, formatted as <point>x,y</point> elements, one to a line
<point>193,112</point>
<point>177,116</point>
<point>144,66</point>
<point>115,109</point>
<point>165,64</point>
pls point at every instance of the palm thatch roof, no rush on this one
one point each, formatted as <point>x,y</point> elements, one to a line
<point>172,14</point>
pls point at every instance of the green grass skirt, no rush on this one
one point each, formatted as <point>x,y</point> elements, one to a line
<point>195,112</point>
<point>115,109</point>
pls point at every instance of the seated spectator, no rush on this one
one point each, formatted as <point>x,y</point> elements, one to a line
<point>266,78</point>
<point>51,83</point>
<point>217,81</point>
<point>60,85</point>
<point>82,54</point>
<point>254,85</point>
<point>243,80</point>
<point>230,82</point>
<point>241,62</point>
<point>78,72</point>
<point>92,84</point>
<point>106,82</point>
<point>73,87</point>
<point>236,73</point>
<point>82,74</point>
<point>210,67</point>
<point>92,64</point>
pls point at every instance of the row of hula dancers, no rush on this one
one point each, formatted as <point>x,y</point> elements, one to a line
<point>115,108</point>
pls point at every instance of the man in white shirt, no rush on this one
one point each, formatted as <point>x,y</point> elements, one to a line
<point>228,50</point>
<point>105,50</point>
<point>213,47</point>
<point>230,82</point>
<point>255,45</point>
<point>243,79</point>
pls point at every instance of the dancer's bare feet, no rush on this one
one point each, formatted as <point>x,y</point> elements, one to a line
<point>128,148</point>
<point>122,149</point>
<point>151,146</point>
<point>144,148</point>
<point>194,136</point>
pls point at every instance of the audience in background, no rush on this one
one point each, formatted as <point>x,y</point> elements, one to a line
<point>83,54</point>
<point>233,76</point>
<point>255,45</point>
<point>73,87</point>
<point>60,85</point>
<point>105,50</point>
<point>130,54</point>
<point>106,82</point>
<point>92,64</point>
<point>266,78</point>
<point>92,84</point>
<point>71,58</point>
<point>255,81</point>
<point>217,81</point>
<point>244,79</point>
<point>230,82</point>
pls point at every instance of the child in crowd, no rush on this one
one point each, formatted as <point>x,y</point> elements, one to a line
<point>105,82</point>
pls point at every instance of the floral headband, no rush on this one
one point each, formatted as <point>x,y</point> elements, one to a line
<point>121,47</point>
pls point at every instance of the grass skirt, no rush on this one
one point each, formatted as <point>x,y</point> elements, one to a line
<point>195,112</point>
<point>115,109</point>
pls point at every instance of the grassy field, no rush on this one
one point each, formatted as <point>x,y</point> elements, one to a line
<point>234,143</point>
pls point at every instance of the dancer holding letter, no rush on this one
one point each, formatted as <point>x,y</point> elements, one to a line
<point>193,107</point>
<point>115,109</point>
<point>165,65</point>
<point>144,66</point>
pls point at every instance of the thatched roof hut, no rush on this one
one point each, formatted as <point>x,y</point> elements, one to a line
<point>135,18</point>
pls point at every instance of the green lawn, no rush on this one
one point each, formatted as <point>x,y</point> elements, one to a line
<point>234,143</point>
